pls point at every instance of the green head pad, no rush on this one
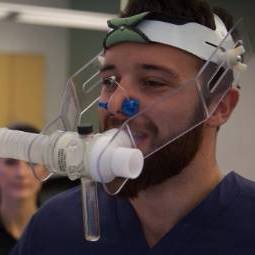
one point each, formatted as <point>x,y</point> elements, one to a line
<point>124,30</point>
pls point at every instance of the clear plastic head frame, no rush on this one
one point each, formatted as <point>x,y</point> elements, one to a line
<point>160,119</point>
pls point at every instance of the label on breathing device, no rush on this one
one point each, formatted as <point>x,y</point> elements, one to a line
<point>62,160</point>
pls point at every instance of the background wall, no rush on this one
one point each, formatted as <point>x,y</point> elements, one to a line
<point>52,43</point>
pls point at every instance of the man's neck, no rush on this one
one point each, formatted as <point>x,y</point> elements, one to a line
<point>161,207</point>
<point>16,215</point>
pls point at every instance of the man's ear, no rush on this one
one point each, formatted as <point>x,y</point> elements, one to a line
<point>224,109</point>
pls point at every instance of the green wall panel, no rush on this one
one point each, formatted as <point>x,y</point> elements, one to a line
<point>240,9</point>
<point>85,44</point>
<point>108,6</point>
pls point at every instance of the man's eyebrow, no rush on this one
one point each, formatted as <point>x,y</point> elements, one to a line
<point>149,67</point>
<point>107,68</point>
<point>169,72</point>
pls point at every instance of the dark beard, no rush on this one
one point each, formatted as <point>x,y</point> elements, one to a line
<point>165,163</point>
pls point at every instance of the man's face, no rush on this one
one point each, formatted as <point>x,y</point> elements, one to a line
<point>161,78</point>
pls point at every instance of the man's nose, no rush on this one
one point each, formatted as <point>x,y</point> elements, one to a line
<point>123,101</point>
<point>115,102</point>
<point>23,169</point>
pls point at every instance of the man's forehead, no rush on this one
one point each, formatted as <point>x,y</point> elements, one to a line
<point>148,57</point>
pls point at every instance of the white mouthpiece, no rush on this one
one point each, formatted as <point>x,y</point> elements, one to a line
<point>114,158</point>
<point>127,162</point>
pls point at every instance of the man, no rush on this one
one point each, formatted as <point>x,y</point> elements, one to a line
<point>181,203</point>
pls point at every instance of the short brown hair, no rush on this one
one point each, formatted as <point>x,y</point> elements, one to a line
<point>198,11</point>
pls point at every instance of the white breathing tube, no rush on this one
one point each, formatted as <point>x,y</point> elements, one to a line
<point>93,156</point>
<point>90,157</point>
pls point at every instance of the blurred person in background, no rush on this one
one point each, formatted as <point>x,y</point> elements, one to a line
<point>19,191</point>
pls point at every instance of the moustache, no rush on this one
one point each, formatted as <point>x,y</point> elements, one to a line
<point>139,124</point>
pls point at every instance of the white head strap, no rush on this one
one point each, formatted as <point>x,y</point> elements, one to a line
<point>194,38</point>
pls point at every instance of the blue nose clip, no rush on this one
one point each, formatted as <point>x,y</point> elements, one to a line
<point>129,107</point>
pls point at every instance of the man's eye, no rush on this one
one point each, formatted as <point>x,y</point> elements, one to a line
<point>154,83</point>
<point>109,84</point>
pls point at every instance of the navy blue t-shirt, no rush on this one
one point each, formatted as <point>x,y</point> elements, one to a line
<point>223,223</point>
<point>7,241</point>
